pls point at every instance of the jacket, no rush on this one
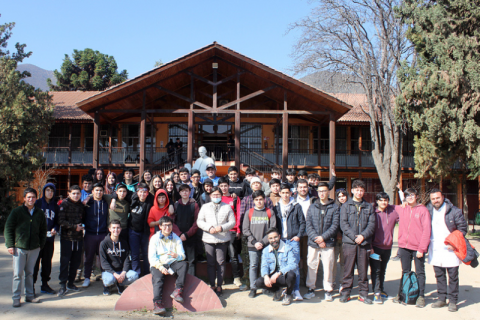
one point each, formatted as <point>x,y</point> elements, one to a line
<point>384,226</point>
<point>256,229</point>
<point>238,187</point>
<point>114,256</point>
<point>186,216</point>
<point>323,224</point>
<point>454,218</point>
<point>235,205</point>
<point>355,223</point>
<point>25,231</point>
<point>415,228</point>
<point>462,248</point>
<point>50,209</point>
<point>286,259</point>
<point>159,247</point>
<point>207,218</point>
<point>156,213</point>
<point>71,214</point>
<point>96,216</point>
<point>139,214</point>
<point>295,220</point>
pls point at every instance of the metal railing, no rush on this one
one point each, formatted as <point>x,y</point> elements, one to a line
<point>257,160</point>
<point>168,161</point>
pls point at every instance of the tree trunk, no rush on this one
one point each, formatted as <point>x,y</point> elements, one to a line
<point>464,198</point>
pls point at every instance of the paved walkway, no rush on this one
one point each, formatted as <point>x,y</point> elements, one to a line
<point>91,304</point>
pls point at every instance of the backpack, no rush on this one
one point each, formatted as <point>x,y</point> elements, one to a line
<point>477,219</point>
<point>408,291</point>
<point>250,213</point>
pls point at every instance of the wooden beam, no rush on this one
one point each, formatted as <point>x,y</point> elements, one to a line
<point>332,151</point>
<point>238,93</point>
<point>142,135</point>
<point>247,97</point>
<point>237,140</point>
<point>96,124</point>
<point>220,111</point>
<point>110,144</point>
<point>285,100</point>
<point>179,96</point>
<point>191,133</point>
<point>196,76</point>
<point>214,94</point>
<point>69,144</point>
<point>319,144</point>
<point>285,144</point>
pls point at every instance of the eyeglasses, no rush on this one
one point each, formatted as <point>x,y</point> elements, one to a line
<point>167,225</point>
<point>412,195</point>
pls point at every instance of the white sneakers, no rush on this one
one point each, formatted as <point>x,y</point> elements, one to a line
<point>297,296</point>
<point>328,296</point>
<point>310,294</point>
<point>86,283</point>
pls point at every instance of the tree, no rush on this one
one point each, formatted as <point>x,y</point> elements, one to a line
<point>440,98</point>
<point>26,115</point>
<point>364,42</point>
<point>88,70</point>
<point>158,63</point>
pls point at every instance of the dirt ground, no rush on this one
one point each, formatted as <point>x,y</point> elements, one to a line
<point>89,303</point>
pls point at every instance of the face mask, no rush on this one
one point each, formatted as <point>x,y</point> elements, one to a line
<point>217,200</point>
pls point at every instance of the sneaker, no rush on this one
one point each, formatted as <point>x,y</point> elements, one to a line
<point>396,258</point>
<point>340,289</point>
<point>32,300</point>
<point>78,277</point>
<point>396,299</point>
<point>377,299</point>
<point>86,283</point>
<point>287,299</point>
<point>238,282</point>
<point>106,291</point>
<point>177,295</point>
<point>310,294</point>
<point>120,289</point>
<point>344,298</point>
<point>452,307</point>
<point>72,287</point>
<point>277,296</point>
<point>297,296</point>
<point>384,294</point>
<point>62,291</point>
<point>439,304</point>
<point>365,299</point>
<point>420,302</point>
<point>328,296</point>
<point>46,289</point>
<point>159,308</point>
<point>253,293</point>
<point>16,303</point>
<point>267,292</point>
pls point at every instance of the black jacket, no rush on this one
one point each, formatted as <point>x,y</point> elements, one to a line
<point>295,220</point>
<point>238,187</point>
<point>71,214</point>
<point>454,218</point>
<point>354,223</point>
<point>137,221</point>
<point>114,257</point>
<point>324,224</point>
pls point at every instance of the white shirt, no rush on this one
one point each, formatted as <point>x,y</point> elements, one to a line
<point>305,204</point>
<point>284,208</point>
<point>438,254</point>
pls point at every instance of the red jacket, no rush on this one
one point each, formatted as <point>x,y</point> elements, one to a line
<point>457,240</point>
<point>415,227</point>
<point>234,203</point>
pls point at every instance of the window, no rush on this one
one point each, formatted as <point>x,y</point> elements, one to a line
<point>103,140</point>
<point>298,139</point>
<point>366,139</point>
<point>131,136</point>
<point>178,131</point>
<point>408,148</point>
<point>59,135</point>
<point>251,137</point>
<point>340,139</point>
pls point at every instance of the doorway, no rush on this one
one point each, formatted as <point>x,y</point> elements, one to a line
<point>218,139</point>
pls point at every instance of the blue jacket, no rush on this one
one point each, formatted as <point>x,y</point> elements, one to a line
<point>50,209</point>
<point>96,215</point>
<point>286,257</point>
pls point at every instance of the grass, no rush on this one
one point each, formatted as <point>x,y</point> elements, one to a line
<point>474,235</point>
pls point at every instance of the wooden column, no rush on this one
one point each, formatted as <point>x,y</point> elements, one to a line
<point>360,146</point>
<point>69,178</point>
<point>110,144</point>
<point>349,183</point>
<point>237,140</point>
<point>69,144</point>
<point>152,136</point>
<point>285,144</point>
<point>191,132</point>
<point>142,141</point>
<point>319,145</point>
<point>332,150</point>
<point>96,124</point>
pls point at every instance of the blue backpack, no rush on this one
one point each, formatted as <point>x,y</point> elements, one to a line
<point>408,291</point>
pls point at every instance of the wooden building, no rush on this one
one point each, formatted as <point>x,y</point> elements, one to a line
<point>244,112</point>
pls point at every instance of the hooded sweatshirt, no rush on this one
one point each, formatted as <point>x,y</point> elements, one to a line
<point>96,216</point>
<point>414,228</point>
<point>235,205</point>
<point>121,212</point>
<point>156,213</point>
<point>51,210</point>
<point>114,256</point>
<point>256,229</point>
<point>71,214</point>
<point>384,225</point>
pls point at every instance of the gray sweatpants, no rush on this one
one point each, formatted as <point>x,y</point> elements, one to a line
<point>23,266</point>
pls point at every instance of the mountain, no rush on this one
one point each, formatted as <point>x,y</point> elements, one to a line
<point>39,76</point>
<point>332,82</point>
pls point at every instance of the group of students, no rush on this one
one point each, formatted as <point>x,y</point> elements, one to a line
<point>287,228</point>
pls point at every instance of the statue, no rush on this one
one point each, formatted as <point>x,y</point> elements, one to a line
<point>202,162</point>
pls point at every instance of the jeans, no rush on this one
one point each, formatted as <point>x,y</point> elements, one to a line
<point>355,254</point>
<point>453,285</point>
<point>296,250</point>
<point>255,257</point>
<point>216,253</point>
<point>179,268</point>
<point>406,256</point>
<point>139,242</point>
<point>233,253</point>
<point>378,269</point>
<point>23,265</point>
<point>91,243</point>
<point>285,280</point>
<point>110,280</point>
<point>70,258</point>
<point>45,256</point>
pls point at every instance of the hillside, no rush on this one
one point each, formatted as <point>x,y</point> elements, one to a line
<point>39,76</point>
<point>332,82</point>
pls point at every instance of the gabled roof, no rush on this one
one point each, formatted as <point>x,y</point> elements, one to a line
<point>357,113</point>
<point>65,105</point>
<point>173,76</point>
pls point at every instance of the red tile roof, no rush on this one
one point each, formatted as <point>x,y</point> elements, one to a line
<point>359,111</point>
<point>65,105</point>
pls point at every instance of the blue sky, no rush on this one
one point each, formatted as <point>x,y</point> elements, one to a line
<point>138,33</point>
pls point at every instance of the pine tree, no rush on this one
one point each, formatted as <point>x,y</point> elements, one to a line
<point>440,98</point>
<point>88,70</point>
